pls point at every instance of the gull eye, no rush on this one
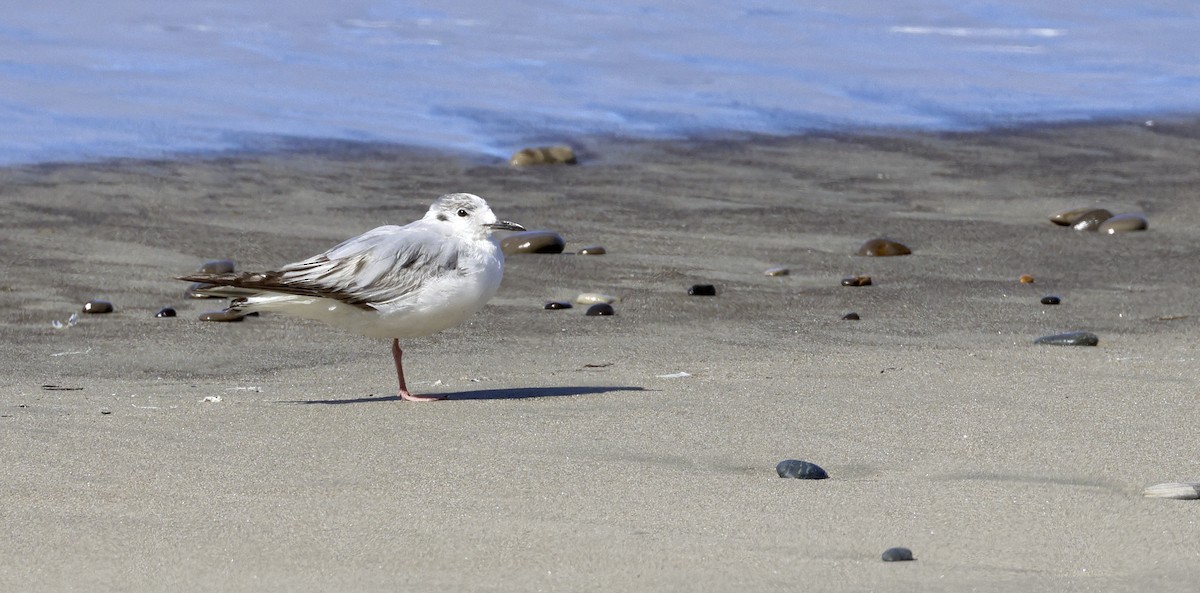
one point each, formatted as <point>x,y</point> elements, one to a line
<point>462,212</point>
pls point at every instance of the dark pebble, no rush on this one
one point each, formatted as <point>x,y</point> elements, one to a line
<point>544,155</point>
<point>883,248</point>
<point>97,306</point>
<point>1051,300</point>
<point>794,468</point>
<point>533,242</point>
<point>1070,339</point>
<point>600,309</point>
<point>856,281</point>
<point>1069,217</point>
<point>851,316</point>
<point>1124,223</point>
<point>554,305</point>
<point>217,266</point>
<point>702,290</point>
<point>165,312</point>
<point>1090,221</point>
<point>221,316</point>
<point>897,555</point>
<point>592,250</point>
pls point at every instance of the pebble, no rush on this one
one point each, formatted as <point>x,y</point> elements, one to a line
<point>1176,490</point>
<point>165,312</point>
<point>217,266</point>
<point>600,309</point>
<point>1090,220</point>
<point>544,155</point>
<point>1070,339</point>
<point>856,281</point>
<point>591,298</point>
<point>702,290</point>
<point>555,305</point>
<point>221,316</point>
<point>1124,223</point>
<point>192,291</point>
<point>97,306</point>
<point>851,316</point>
<point>1051,300</point>
<point>533,242</point>
<point>1026,279</point>
<point>897,555</point>
<point>794,468</point>
<point>1069,217</point>
<point>777,271</point>
<point>592,250</point>
<point>883,248</point>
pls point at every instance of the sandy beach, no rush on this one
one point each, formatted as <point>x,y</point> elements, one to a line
<point>573,454</point>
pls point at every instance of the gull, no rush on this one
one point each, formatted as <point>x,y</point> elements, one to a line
<point>390,282</point>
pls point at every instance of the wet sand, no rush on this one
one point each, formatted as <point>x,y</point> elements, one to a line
<point>569,458</point>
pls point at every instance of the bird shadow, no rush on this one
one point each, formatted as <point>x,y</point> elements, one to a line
<point>487,394</point>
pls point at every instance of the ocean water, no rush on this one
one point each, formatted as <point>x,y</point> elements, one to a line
<point>86,80</point>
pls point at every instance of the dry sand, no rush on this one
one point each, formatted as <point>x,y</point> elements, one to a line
<point>565,460</point>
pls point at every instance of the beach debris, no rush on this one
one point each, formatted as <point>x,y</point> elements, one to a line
<point>1070,339</point>
<point>544,155</point>
<point>856,281</point>
<point>105,411</point>
<point>212,399</point>
<point>555,305</point>
<point>591,298</point>
<point>600,310</point>
<point>1124,223</point>
<point>702,290</point>
<point>97,307</point>
<point>254,389</point>
<point>777,271</point>
<point>597,365</point>
<point>1051,300</point>
<point>897,555</point>
<point>851,316</point>
<point>52,387</point>
<point>1026,279</point>
<point>217,266</point>
<point>679,375</point>
<point>72,321</point>
<point>1176,490</point>
<point>533,242</point>
<point>225,316</point>
<point>802,470</point>
<point>1090,220</point>
<point>592,250</point>
<point>166,312</point>
<point>71,352</point>
<point>883,248</point>
<point>1070,217</point>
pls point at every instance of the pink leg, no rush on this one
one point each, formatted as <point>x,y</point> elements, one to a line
<point>397,354</point>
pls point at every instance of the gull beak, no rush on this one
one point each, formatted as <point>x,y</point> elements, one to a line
<point>504,225</point>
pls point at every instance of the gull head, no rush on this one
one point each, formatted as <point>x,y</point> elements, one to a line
<point>469,215</point>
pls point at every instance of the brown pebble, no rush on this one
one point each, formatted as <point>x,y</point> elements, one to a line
<point>851,316</point>
<point>533,242</point>
<point>777,271</point>
<point>193,291</point>
<point>97,306</point>
<point>1124,223</point>
<point>544,155</point>
<point>592,250</point>
<point>221,316</point>
<point>856,281</point>
<point>1026,279</point>
<point>1069,217</point>
<point>217,266</point>
<point>1090,220</point>
<point>883,248</point>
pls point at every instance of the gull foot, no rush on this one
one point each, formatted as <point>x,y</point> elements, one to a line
<point>408,397</point>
